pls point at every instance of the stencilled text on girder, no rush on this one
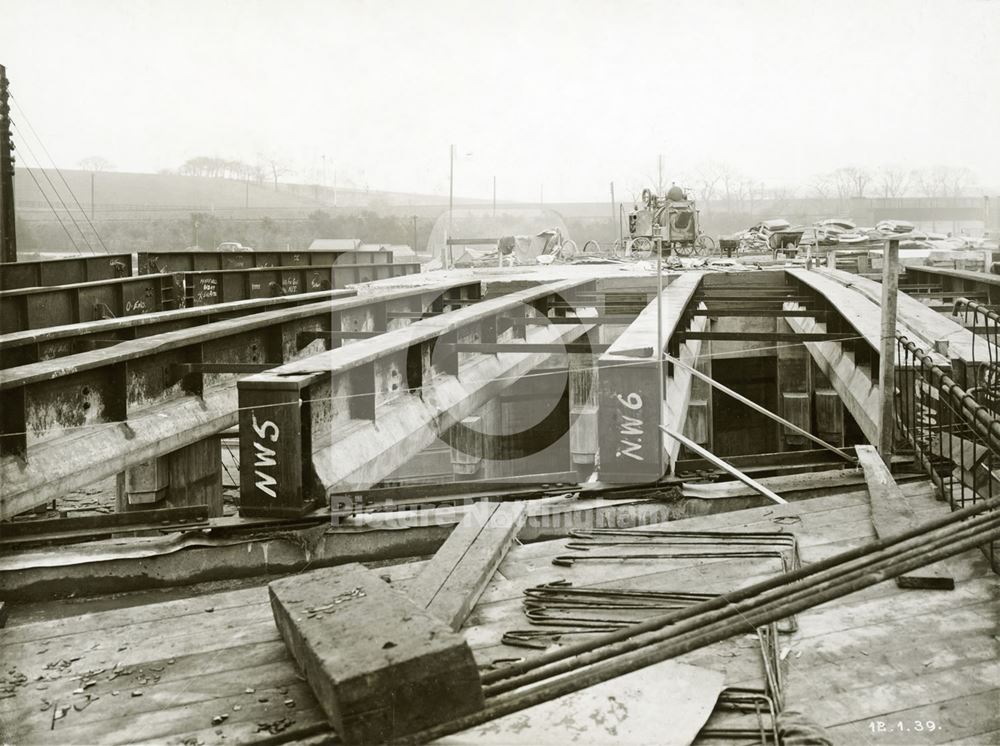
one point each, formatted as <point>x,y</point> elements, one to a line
<point>264,456</point>
<point>630,429</point>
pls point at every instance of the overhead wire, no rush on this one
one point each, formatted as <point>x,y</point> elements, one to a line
<point>54,211</point>
<point>38,163</point>
<point>41,144</point>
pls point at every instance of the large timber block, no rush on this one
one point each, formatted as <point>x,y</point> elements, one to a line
<point>380,666</point>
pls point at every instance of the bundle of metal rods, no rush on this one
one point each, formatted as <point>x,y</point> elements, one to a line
<point>745,700</point>
<point>575,667</point>
<point>579,611</point>
<point>633,544</point>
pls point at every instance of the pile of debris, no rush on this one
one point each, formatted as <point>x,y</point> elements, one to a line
<point>779,235</point>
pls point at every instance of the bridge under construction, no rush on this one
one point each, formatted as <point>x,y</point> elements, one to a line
<point>564,468</point>
<point>584,494</point>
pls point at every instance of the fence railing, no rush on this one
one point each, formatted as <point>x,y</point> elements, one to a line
<point>954,432</point>
<point>985,372</point>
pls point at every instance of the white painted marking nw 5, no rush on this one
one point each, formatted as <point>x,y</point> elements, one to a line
<point>265,455</point>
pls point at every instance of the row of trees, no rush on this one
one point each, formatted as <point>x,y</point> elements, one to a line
<point>224,168</point>
<point>717,181</point>
<point>894,181</point>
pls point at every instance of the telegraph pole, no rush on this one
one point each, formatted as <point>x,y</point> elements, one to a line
<point>887,351</point>
<point>613,211</point>
<point>451,206</point>
<point>494,196</point>
<point>8,238</point>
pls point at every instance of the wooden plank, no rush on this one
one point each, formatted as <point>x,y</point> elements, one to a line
<point>380,666</point>
<point>969,720</point>
<point>452,582</point>
<point>891,514</point>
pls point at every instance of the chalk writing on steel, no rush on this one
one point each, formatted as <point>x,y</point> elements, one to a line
<point>264,455</point>
<point>207,291</point>
<point>629,428</point>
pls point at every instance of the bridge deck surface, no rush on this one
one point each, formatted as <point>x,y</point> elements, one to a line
<point>163,671</point>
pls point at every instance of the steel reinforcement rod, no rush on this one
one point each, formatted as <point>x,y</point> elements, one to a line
<point>740,594</point>
<point>700,632</point>
<point>725,466</point>
<point>788,594</point>
<point>980,417</point>
<point>975,307</point>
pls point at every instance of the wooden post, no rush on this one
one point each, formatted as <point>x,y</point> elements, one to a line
<point>887,351</point>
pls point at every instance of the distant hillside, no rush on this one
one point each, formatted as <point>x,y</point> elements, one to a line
<point>152,195</point>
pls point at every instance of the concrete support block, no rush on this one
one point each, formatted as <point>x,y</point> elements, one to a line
<point>582,380</point>
<point>380,665</point>
<point>797,410</point>
<point>583,434</point>
<point>698,423</point>
<point>490,419</point>
<point>144,484</point>
<point>467,445</point>
<point>794,365</point>
<point>195,476</point>
<point>189,476</point>
<point>829,416</point>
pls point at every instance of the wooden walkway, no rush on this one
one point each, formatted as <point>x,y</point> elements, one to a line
<point>161,672</point>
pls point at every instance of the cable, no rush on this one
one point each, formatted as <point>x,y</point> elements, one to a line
<point>51,207</point>
<point>24,116</point>
<point>24,142</point>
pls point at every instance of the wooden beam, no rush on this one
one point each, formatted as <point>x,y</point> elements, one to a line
<point>710,298</point>
<point>183,369</point>
<point>891,514</point>
<point>541,321</point>
<point>753,312</point>
<point>380,666</point>
<point>763,336</point>
<point>452,582</point>
<point>522,347</point>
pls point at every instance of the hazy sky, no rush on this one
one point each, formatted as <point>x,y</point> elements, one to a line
<point>566,94</point>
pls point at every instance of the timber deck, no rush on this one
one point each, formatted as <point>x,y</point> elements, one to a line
<point>161,672</point>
